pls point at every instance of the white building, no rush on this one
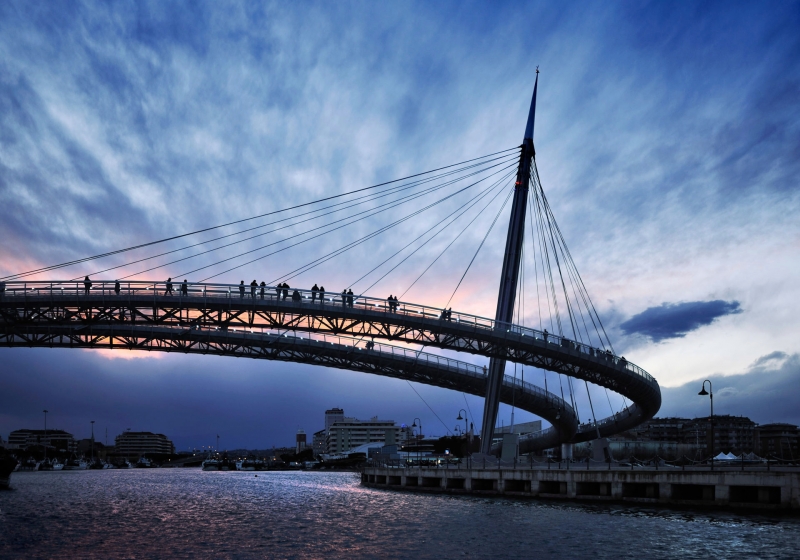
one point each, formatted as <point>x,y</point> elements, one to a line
<point>342,434</point>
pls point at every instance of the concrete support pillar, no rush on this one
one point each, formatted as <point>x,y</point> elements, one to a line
<point>722,494</point>
<point>616,490</point>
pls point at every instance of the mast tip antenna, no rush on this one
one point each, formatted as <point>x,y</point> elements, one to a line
<point>537,68</point>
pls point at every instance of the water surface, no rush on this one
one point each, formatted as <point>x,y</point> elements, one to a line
<point>185,512</point>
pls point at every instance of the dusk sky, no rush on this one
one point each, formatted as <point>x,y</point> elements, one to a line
<point>667,140</point>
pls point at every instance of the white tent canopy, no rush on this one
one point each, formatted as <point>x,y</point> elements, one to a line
<point>725,457</point>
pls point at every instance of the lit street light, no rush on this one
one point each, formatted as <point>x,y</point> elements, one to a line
<point>710,393</point>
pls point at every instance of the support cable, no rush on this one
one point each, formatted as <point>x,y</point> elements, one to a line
<point>364,214</point>
<point>429,406</point>
<point>109,253</point>
<point>349,246</point>
<point>349,204</point>
<point>471,204</point>
<point>479,247</point>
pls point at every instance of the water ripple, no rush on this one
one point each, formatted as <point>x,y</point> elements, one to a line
<point>182,512</point>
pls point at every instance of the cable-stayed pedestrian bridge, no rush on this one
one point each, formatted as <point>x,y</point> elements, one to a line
<point>351,330</point>
<point>336,330</point>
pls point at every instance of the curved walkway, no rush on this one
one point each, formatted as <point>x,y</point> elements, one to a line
<point>225,307</point>
<point>331,351</point>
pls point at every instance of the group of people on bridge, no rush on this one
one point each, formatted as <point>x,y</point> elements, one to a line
<point>282,293</point>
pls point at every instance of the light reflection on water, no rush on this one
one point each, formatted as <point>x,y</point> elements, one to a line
<point>185,512</point>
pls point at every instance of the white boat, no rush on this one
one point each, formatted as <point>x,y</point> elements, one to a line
<point>210,465</point>
<point>57,465</point>
<point>75,464</point>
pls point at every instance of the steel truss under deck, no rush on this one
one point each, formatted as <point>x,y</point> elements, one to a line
<point>206,319</point>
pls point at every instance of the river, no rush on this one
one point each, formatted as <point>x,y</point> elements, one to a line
<point>181,513</point>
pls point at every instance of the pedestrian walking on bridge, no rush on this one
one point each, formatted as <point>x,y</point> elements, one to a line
<point>185,288</point>
<point>116,287</point>
<point>253,286</point>
<point>263,287</point>
<point>87,285</point>
<point>168,291</point>
<point>322,295</point>
<point>314,291</point>
<point>241,289</point>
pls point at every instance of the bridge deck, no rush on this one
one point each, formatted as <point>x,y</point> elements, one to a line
<point>28,308</point>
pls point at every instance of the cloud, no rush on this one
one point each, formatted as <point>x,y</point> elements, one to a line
<point>676,320</point>
<point>766,392</point>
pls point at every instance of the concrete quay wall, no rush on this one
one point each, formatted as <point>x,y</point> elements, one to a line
<point>775,489</point>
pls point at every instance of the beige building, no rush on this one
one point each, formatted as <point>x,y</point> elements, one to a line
<point>133,445</point>
<point>56,439</point>
<point>343,434</point>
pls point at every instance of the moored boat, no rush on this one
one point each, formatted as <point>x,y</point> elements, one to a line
<point>144,463</point>
<point>75,464</point>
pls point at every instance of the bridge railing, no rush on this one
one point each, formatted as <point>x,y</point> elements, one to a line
<point>310,297</point>
<point>363,345</point>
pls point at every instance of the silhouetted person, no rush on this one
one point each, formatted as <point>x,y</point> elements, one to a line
<point>394,304</point>
<point>350,298</point>
<point>285,290</point>
<point>314,291</point>
<point>87,285</point>
<point>278,289</point>
<point>253,286</point>
<point>344,298</point>
<point>168,291</point>
<point>185,288</point>
<point>296,297</point>
<point>322,295</point>
<point>241,289</point>
<point>116,287</point>
<point>450,314</point>
<point>370,345</point>
<point>390,303</point>
<point>263,287</point>
<point>545,335</point>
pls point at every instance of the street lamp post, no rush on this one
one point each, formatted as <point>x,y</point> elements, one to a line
<point>464,418</point>
<point>466,431</point>
<point>45,435</point>
<point>92,422</point>
<point>419,437</point>
<point>710,393</point>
